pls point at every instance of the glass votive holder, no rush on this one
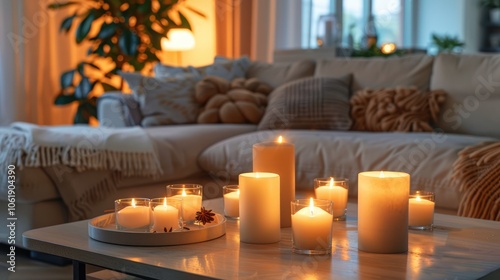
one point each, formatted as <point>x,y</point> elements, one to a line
<point>166,214</point>
<point>191,195</point>
<point>421,210</point>
<point>133,214</point>
<point>335,190</point>
<point>231,194</point>
<point>312,221</point>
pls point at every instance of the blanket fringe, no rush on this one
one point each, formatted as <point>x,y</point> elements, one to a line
<point>128,163</point>
<point>477,172</point>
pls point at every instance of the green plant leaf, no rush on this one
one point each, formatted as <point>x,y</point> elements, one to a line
<point>64,99</point>
<point>128,42</point>
<point>61,5</point>
<point>67,79</point>
<point>184,22</point>
<point>83,89</point>
<point>84,27</point>
<point>108,87</point>
<point>66,23</point>
<point>107,30</point>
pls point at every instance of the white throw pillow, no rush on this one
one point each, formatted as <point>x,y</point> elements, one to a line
<point>167,100</point>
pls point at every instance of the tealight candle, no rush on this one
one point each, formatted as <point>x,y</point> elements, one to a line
<point>336,191</point>
<point>231,195</point>
<point>383,211</point>
<point>191,195</point>
<point>166,214</point>
<point>278,157</point>
<point>421,210</point>
<point>259,207</point>
<point>312,226</point>
<point>133,214</point>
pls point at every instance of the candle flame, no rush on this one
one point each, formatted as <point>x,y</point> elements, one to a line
<point>311,206</point>
<point>418,197</point>
<point>133,202</point>
<point>382,175</point>
<point>238,192</point>
<point>165,202</point>
<point>331,182</point>
<point>256,174</point>
<point>280,139</point>
<point>184,192</point>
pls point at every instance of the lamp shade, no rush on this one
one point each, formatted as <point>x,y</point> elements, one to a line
<point>178,39</point>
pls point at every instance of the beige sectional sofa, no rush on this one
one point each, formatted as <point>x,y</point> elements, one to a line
<point>214,154</point>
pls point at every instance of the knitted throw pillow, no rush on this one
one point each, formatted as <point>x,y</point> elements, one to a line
<point>395,109</point>
<point>239,101</point>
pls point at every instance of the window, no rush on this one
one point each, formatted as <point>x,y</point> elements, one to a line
<point>353,16</point>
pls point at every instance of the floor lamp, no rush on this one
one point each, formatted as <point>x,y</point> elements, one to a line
<point>178,40</point>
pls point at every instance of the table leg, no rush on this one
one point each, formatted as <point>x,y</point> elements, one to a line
<point>79,270</point>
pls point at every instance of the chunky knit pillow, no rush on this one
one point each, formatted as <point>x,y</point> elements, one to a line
<point>239,101</point>
<point>395,109</point>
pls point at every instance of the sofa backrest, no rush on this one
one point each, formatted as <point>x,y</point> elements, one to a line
<point>380,72</point>
<point>473,85</point>
<point>277,74</point>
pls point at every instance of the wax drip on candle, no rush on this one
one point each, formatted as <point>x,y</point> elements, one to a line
<point>311,206</point>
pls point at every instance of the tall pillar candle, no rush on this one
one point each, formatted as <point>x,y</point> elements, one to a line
<point>278,157</point>
<point>383,211</point>
<point>259,207</point>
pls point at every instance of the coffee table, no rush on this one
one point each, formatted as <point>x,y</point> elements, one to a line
<point>458,248</point>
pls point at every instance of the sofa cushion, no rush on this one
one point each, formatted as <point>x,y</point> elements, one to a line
<point>427,157</point>
<point>277,74</point>
<point>238,101</point>
<point>410,70</point>
<point>395,109</point>
<point>309,103</point>
<point>473,85</point>
<point>167,100</point>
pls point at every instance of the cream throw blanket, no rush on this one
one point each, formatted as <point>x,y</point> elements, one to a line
<point>65,151</point>
<point>126,150</point>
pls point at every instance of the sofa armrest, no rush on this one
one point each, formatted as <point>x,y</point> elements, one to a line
<point>116,109</point>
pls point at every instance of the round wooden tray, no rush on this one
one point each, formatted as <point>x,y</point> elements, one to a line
<point>103,228</point>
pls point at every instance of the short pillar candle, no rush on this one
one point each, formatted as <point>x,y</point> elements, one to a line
<point>383,211</point>
<point>421,210</point>
<point>259,207</point>
<point>278,157</point>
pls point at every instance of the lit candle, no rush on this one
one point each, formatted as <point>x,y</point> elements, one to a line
<point>312,228</point>
<point>278,157</point>
<point>259,207</point>
<point>336,194</point>
<point>165,217</point>
<point>232,204</point>
<point>383,211</point>
<point>190,205</point>
<point>421,212</point>
<point>134,216</point>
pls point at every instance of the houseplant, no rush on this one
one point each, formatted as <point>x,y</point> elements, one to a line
<point>493,7</point>
<point>123,34</point>
<point>446,43</point>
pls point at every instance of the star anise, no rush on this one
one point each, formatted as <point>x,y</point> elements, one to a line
<point>205,216</point>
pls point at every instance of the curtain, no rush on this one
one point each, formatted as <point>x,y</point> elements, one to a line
<point>33,54</point>
<point>245,27</point>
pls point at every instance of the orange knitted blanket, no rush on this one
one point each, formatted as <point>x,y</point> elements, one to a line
<point>477,172</point>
